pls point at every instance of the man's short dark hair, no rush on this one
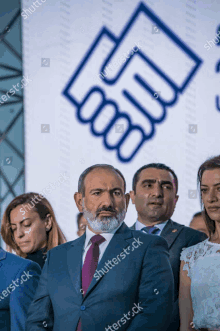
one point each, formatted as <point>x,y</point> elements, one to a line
<point>155,166</point>
<point>197,214</point>
<point>194,216</point>
<point>81,186</point>
<point>78,218</point>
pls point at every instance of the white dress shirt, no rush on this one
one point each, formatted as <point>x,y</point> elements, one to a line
<point>139,226</point>
<point>102,247</point>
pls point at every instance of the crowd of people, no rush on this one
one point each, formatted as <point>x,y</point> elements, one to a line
<point>156,275</point>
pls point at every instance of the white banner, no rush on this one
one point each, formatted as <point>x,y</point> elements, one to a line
<point>120,82</point>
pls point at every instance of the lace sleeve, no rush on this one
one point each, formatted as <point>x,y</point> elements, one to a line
<point>187,256</point>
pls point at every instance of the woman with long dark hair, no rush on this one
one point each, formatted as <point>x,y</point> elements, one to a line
<point>199,300</point>
<point>29,227</point>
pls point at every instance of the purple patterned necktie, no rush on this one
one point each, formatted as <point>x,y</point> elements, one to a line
<point>150,229</point>
<point>90,265</point>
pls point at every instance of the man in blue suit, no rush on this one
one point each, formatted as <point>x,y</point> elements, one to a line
<point>18,282</point>
<point>154,194</point>
<point>110,278</point>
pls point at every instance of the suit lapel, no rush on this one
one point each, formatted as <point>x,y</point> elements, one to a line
<point>133,226</point>
<point>171,231</point>
<point>74,262</point>
<point>121,239</point>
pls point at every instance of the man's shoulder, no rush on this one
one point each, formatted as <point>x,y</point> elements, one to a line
<point>64,247</point>
<point>149,239</point>
<point>16,262</point>
<point>171,223</point>
<point>15,259</point>
<point>189,230</point>
<point>190,234</point>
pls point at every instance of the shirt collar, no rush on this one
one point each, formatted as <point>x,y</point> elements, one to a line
<point>139,226</point>
<point>107,235</point>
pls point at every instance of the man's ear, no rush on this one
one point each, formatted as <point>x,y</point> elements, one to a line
<point>127,197</point>
<point>132,195</point>
<point>176,198</point>
<point>78,200</point>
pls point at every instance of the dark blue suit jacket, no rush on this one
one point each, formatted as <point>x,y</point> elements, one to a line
<point>143,276</point>
<point>18,282</point>
<point>178,236</point>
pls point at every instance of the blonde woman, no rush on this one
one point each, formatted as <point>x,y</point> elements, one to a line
<point>29,227</point>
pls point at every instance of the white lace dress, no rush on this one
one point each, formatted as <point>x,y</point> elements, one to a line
<point>203,266</point>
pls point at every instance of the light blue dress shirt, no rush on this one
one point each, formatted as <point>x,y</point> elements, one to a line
<point>139,226</point>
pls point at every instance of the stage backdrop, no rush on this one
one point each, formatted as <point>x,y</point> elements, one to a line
<point>120,82</point>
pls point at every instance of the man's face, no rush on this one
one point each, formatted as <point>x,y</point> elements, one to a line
<point>105,203</point>
<point>210,191</point>
<point>198,223</point>
<point>155,197</point>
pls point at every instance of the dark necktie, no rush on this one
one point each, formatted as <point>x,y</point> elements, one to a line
<point>150,229</point>
<point>90,265</point>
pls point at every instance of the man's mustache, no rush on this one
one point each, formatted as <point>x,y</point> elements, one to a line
<point>110,209</point>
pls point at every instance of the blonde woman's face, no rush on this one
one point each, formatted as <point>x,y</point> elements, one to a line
<point>210,191</point>
<point>28,229</point>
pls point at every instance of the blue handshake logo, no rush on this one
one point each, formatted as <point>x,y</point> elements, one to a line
<point>109,94</point>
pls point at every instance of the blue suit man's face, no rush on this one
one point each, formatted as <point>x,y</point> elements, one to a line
<point>155,197</point>
<point>105,202</point>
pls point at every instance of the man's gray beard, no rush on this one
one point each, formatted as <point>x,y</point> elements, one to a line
<point>107,223</point>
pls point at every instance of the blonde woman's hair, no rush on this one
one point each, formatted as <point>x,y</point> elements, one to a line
<point>55,235</point>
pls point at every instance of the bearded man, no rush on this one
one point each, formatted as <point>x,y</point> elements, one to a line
<point>111,277</point>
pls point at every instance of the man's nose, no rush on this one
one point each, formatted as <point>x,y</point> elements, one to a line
<point>158,190</point>
<point>108,200</point>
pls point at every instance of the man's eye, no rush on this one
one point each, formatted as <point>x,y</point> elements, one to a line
<point>147,185</point>
<point>27,225</point>
<point>203,190</point>
<point>118,193</point>
<point>96,193</point>
<point>168,187</point>
<point>13,229</point>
